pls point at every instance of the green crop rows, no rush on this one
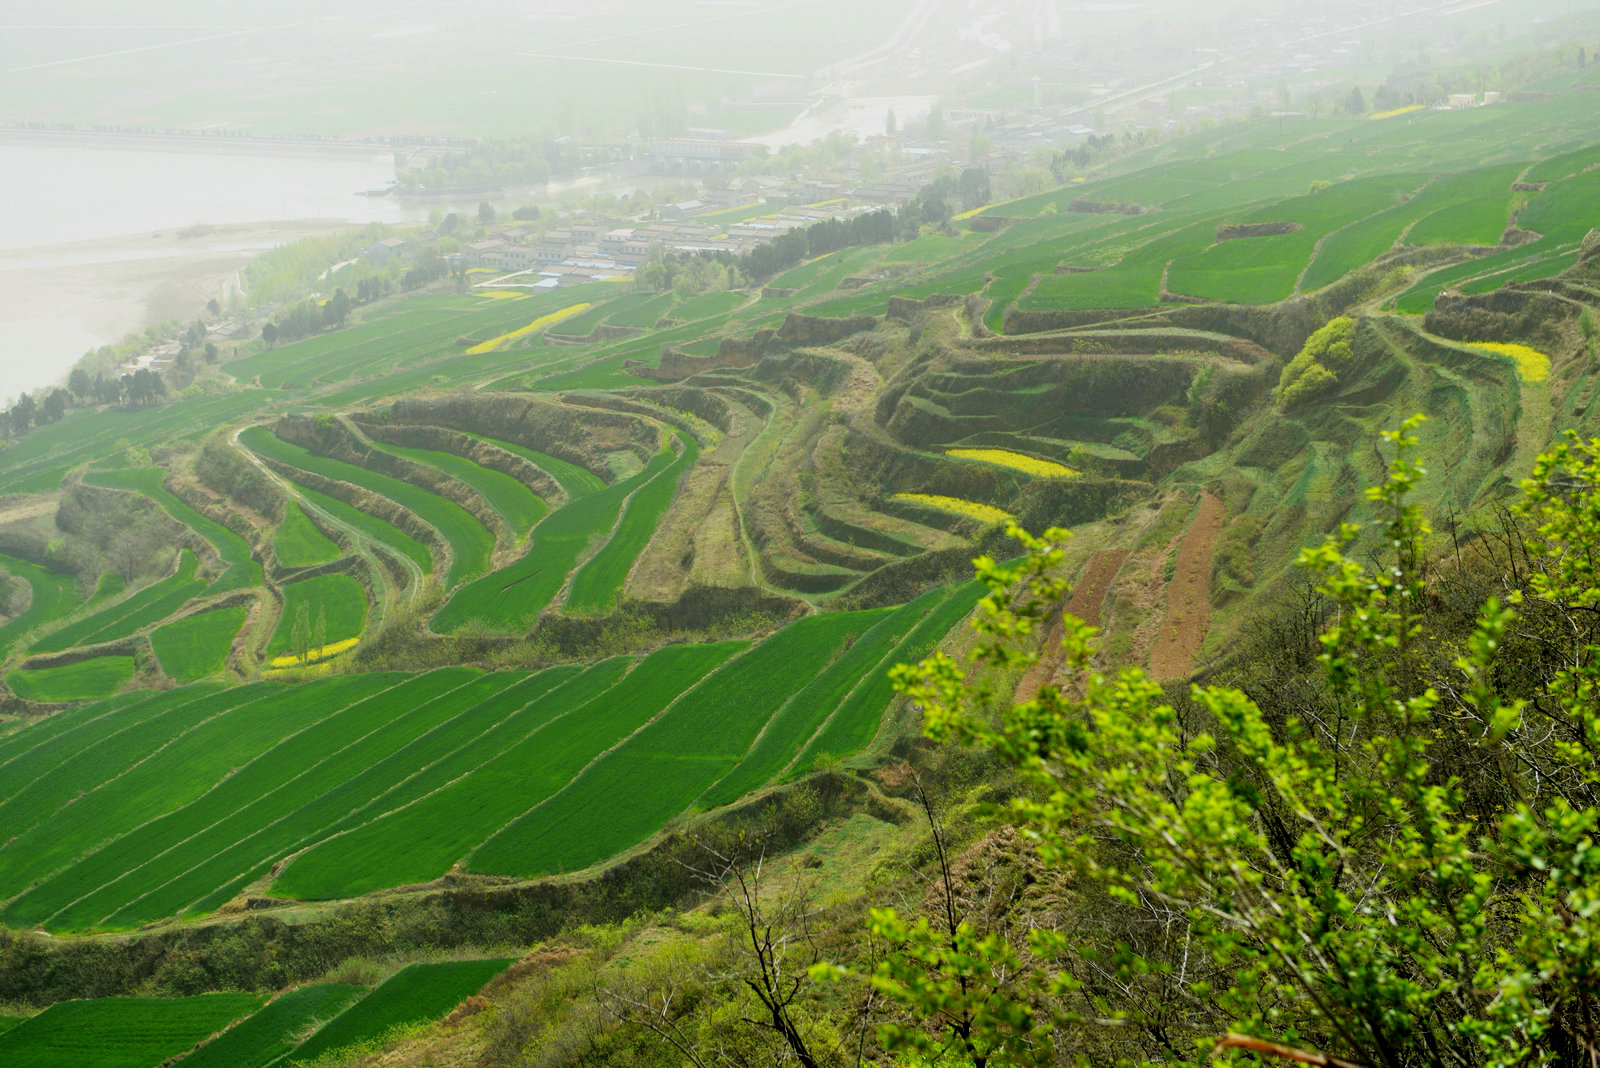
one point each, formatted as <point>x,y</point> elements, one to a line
<point>794,724</point>
<point>173,775</point>
<point>598,584</point>
<point>512,598</point>
<point>669,763</point>
<point>370,743</point>
<point>518,505</point>
<point>193,648</point>
<point>270,1033</point>
<point>298,543</point>
<point>855,722</point>
<point>120,1032</point>
<point>415,994</point>
<point>394,834</point>
<point>470,544</point>
<point>85,680</point>
<point>149,605</point>
<point>54,595</point>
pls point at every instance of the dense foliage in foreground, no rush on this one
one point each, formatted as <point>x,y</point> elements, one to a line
<point>1398,868</point>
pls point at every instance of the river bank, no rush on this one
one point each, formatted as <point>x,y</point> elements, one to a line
<point>58,301</point>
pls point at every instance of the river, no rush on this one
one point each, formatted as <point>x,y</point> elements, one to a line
<point>98,239</point>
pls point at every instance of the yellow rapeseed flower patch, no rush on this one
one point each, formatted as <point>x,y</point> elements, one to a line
<point>502,294</point>
<point>532,328</point>
<point>1392,112</point>
<point>1028,465</point>
<point>314,655</point>
<point>983,513</point>
<point>1532,365</point>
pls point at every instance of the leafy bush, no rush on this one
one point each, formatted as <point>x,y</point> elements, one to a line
<point>1399,870</point>
<point>1309,374</point>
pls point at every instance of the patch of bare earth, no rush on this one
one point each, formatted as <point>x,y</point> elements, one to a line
<point>1087,596</point>
<point>1188,615</point>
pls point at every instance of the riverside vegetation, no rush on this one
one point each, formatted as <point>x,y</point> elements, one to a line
<point>346,675</point>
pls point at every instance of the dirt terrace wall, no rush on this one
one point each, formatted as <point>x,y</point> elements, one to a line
<point>1136,341</point>
<point>578,435</point>
<point>334,438</point>
<point>1527,313</point>
<point>442,439</point>
<point>733,354</point>
<point>802,330</point>
<point>373,504</point>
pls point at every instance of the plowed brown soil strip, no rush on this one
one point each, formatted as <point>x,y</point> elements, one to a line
<point>1188,596</point>
<point>1084,603</point>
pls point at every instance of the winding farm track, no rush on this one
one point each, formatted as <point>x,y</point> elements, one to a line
<point>1189,596</point>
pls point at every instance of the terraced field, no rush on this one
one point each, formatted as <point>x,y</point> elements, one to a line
<point>99,676</point>
<point>382,780</point>
<point>318,612</point>
<point>240,569</point>
<point>417,993</point>
<point>272,1031</point>
<point>513,597</point>
<point>52,595</point>
<point>518,505</point>
<point>120,1032</point>
<point>597,585</point>
<point>138,610</point>
<point>470,544</point>
<point>196,647</point>
<point>750,515</point>
<point>298,543</point>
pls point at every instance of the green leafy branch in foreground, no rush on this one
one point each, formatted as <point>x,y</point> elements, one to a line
<point>1321,882</point>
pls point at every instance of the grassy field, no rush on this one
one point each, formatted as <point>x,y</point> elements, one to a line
<point>470,544</point>
<point>330,608</point>
<point>140,609</point>
<point>855,722</point>
<point>513,597</point>
<point>271,1032</point>
<point>193,648</point>
<point>670,762</point>
<point>418,993</point>
<point>53,596</point>
<point>390,538</point>
<point>597,585</point>
<point>120,1032</point>
<point>298,543</point>
<point>518,505</point>
<point>85,680</point>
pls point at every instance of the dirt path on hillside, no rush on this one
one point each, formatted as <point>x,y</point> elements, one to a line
<point>1087,596</point>
<point>1188,596</point>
